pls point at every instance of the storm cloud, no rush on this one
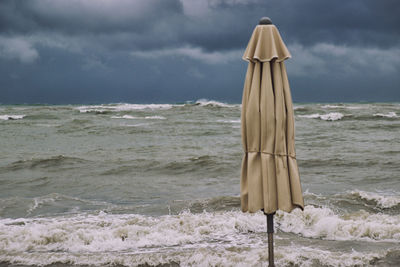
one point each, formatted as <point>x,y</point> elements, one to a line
<point>171,50</point>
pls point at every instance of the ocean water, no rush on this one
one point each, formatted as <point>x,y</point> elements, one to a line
<point>158,185</point>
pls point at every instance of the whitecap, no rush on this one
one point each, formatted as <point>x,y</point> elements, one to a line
<point>229,121</point>
<point>202,255</point>
<point>324,223</point>
<point>295,255</point>
<point>331,106</point>
<point>124,117</point>
<point>295,107</point>
<point>190,239</point>
<point>355,107</point>
<point>332,116</point>
<point>94,110</point>
<point>155,117</point>
<point>388,115</point>
<point>383,201</point>
<point>133,117</point>
<point>121,107</point>
<point>102,232</point>
<point>205,102</point>
<point>11,117</point>
<point>341,106</point>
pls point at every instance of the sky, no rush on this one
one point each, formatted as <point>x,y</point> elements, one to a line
<point>172,51</point>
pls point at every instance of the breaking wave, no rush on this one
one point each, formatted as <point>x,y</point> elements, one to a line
<point>106,108</point>
<point>133,117</point>
<point>11,117</point>
<point>104,232</point>
<point>294,255</point>
<point>333,116</point>
<point>342,107</point>
<point>383,201</point>
<point>187,237</point>
<point>387,115</point>
<point>213,103</point>
<point>324,223</point>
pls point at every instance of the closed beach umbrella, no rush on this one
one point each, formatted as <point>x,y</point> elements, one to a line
<point>270,178</point>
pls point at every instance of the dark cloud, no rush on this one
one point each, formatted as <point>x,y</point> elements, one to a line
<point>85,16</point>
<point>220,25</point>
<point>175,50</point>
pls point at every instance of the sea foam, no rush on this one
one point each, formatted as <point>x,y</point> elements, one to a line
<point>11,117</point>
<point>388,115</point>
<point>342,106</point>
<point>205,102</point>
<point>229,121</point>
<point>294,255</point>
<point>135,117</point>
<point>324,223</point>
<point>383,201</point>
<point>333,116</point>
<point>208,238</point>
<point>121,107</point>
<point>106,232</point>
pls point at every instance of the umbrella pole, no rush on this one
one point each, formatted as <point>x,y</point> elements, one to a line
<point>270,231</point>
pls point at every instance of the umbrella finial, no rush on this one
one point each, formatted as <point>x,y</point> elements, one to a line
<point>265,21</point>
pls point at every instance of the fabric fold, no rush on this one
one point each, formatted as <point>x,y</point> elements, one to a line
<point>265,45</point>
<point>270,179</point>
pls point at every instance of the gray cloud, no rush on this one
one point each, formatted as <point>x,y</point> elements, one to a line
<point>211,25</point>
<point>343,60</point>
<point>214,57</point>
<point>17,48</point>
<point>123,43</point>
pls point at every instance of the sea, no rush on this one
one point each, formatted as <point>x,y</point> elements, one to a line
<point>126,184</point>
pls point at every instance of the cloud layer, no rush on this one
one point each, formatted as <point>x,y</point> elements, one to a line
<point>347,40</point>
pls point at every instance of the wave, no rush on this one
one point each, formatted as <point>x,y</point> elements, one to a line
<point>133,117</point>
<point>54,203</point>
<point>168,238</point>
<point>342,107</point>
<point>382,201</point>
<point>322,222</point>
<point>107,108</point>
<point>388,115</point>
<point>54,161</point>
<point>42,116</point>
<point>194,164</point>
<point>229,121</point>
<point>142,231</point>
<point>95,110</point>
<point>301,108</point>
<point>373,202</point>
<point>125,117</point>
<point>204,102</point>
<point>11,117</point>
<point>124,107</point>
<point>339,162</point>
<point>293,255</point>
<point>333,116</point>
<point>155,117</point>
<point>223,203</point>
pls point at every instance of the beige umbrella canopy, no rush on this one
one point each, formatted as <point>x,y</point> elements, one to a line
<point>270,177</point>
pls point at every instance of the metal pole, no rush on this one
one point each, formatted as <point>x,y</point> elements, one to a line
<point>270,231</point>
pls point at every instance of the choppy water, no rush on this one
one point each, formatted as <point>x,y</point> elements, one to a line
<point>130,184</point>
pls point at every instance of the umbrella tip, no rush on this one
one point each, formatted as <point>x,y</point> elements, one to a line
<point>265,21</point>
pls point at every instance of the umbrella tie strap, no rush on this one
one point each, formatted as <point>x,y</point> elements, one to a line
<point>273,154</point>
